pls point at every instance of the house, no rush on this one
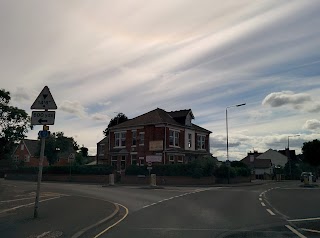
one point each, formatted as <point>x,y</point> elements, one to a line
<point>26,153</point>
<point>290,154</point>
<point>155,137</point>
<point>277,159</point>
<point>263,164</point>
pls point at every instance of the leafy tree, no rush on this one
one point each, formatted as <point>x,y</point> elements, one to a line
<point>311,152</point>
<point>120,118</point>
<point>14,124</point>
<point>56,145</point>
<point>84,151</point>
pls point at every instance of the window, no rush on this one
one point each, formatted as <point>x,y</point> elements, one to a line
<point>201,142</point>
<point>189,140</point>
<point>114,162</point>
<point>134,159</point>
<point>16,158</point>
<point>123,162</point>
<point>171,159</point>
<point>22,146</point>
<point>141,137</point>
<point>101,149</point>
<point>174,138</point>
<point>120,139</point>
<point>141,161</point>
<point>134,138</point>
<point>180,159</point>
<point>27,158</point>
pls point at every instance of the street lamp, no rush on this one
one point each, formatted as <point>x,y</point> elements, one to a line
<point>288,155</point>
<point>238,105</point>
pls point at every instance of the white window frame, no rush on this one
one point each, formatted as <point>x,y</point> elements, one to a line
<point>180,159</point>
<point>26,158</point>
<point>120,136</point>
<point>141,142</point>
<point>171,159</point>
<point>101,149</point>
<point>16,158</point>
<point>201,140</point>
<point>134,138</point>
<point>123,159</point>
<point>175,138</point>
<point>136,159</point>
<point>189,140</point>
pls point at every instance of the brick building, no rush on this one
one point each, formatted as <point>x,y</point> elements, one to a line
<point>27,154</point>
<point>157,136</point>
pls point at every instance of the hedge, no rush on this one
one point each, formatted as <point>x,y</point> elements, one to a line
<point>83,170</point>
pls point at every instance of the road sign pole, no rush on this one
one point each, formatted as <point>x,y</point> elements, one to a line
<point>36,203</point>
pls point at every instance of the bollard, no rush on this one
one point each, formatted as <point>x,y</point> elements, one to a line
<point>111,179</point>
<point>153,180</point>
<point>306,180</point>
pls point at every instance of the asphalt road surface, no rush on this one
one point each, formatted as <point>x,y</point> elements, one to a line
<point>274,210</point>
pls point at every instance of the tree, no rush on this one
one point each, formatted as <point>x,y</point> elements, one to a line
<point>120,118</point>
<point>14,124</point>
<point>57,144</point>
<point>311,152</point>
<point>84,151</point>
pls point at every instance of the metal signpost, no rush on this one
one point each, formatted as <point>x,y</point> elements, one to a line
<point>44,101</point>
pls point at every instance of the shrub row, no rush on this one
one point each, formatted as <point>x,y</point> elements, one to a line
<point>81,169</point>
<point>190,170</point>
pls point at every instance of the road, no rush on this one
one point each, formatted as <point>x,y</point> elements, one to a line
<point>271,210</point>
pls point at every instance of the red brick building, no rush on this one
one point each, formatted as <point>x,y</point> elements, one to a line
<point>27,154</point>
<point>158,137</point>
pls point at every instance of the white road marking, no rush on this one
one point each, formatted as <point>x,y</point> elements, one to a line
<point>26,198</point>
<point>178,196</point>
<point>305,219</point>
<point>295,231</point>
<point>271,212</point>
<point>310,230</point>
<point>263,204</point>
<point>260,199</point>
<point>27,205</point>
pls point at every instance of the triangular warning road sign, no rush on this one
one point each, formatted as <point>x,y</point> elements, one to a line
<point>44,100</point>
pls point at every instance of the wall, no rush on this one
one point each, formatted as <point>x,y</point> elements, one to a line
<point>168,180</point>
<point>61,178</point>
<point>186,139</point>
<point>234,180</point>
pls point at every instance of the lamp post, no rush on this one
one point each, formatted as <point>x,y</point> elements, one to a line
<point>289,159</point>
<point>238,105</point>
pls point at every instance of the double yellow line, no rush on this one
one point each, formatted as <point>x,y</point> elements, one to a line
<point>116,223</point>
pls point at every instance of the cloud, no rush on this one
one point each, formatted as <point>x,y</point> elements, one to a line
<point>278,99</point>
<point>100,117</point>
<point>312,124</point>
<point>21,94</point>
<point>314,108</point>
<point>74,107</point>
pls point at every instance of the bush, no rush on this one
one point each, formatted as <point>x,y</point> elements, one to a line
<point>84,170</point>
<point>136,170</point>
<point>222,172</point>
<point>242,171</point>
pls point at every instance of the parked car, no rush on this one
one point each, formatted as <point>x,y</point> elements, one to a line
<point>306,175</point>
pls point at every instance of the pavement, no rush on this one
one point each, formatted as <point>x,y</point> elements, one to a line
<point>60,214</point>
<point>260,209</point>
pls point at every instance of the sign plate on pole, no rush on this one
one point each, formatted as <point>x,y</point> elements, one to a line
<point>43,117</point>
<point>44,100</point>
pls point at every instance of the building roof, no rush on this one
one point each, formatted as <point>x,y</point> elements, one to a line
<point>32,146</point>
<point>104,140</point>
<point>181,113</point>
<point>292,153</point>
<point>157,116</point>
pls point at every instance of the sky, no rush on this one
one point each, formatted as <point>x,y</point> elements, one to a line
<point>103,57</point>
